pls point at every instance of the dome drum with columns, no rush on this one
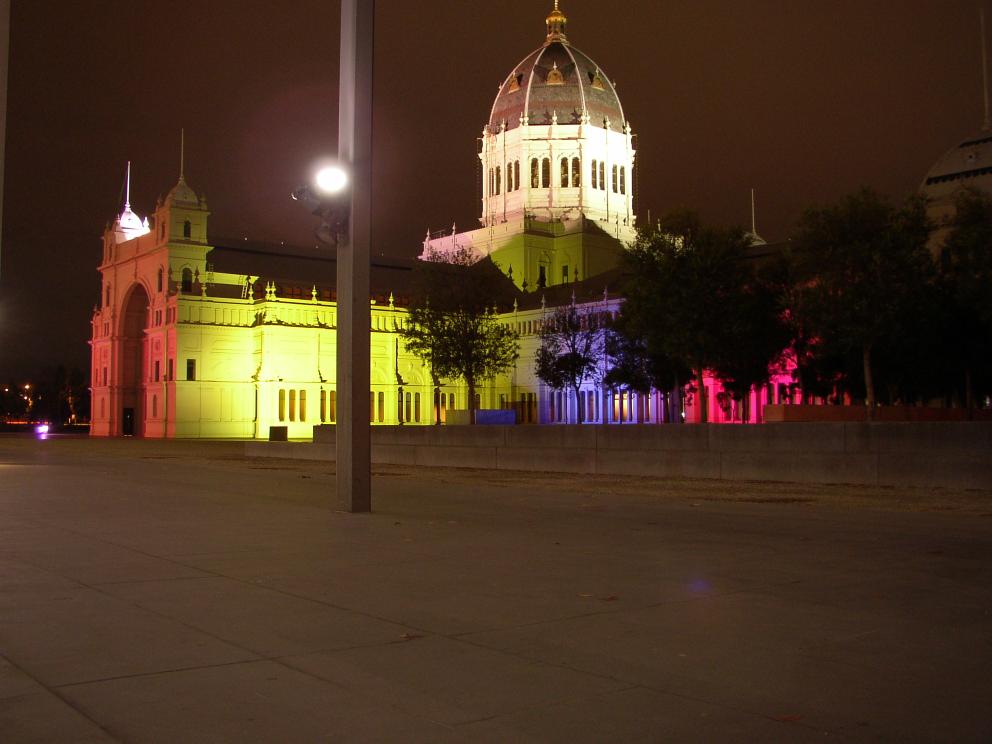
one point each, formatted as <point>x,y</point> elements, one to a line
<point>557,162</point>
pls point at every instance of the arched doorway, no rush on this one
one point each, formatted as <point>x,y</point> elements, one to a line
<point>132,362</point>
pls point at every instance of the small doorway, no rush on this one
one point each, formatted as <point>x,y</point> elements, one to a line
<point>127,422</point>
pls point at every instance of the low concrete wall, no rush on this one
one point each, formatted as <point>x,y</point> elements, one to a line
<point>946,454</point>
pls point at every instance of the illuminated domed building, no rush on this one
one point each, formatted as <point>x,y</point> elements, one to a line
<point>201,338</point>
<point>965,166</point>
<point>557,161</point>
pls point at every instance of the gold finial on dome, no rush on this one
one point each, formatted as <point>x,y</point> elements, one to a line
<point>556,22</point>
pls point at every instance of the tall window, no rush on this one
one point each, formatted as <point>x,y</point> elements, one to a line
<point>616,179</point>
<point>292,405</point>
<point>576,172</point>
<point>323,406</point>
<point>416,407</point>
<point>157,370</point>
<point>546,173</point>
<point>303,405</point>
<point>187,283</point>
<point>498,180</point>
<point>564,274</point>
<point>332,406</point>
<point>382,407</point>
<point>602,176</point>
<point>154,406</point>
<point>191,369</point>
<point>595,171</point>
<point>106,302</point>
<point>160,277</point>
<point>399,406</point>
<point>516,174</point>
<point>623,179</point>
<point>564,173</point>
<point>407,410</point>
<point>535,182</point>
<point>282,405</point>
<point>169,370</point>
<point>187,229</point>
<point>509,177</point>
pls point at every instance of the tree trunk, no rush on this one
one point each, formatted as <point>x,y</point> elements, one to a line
<point>702,414</point>
<point>969,393</point>
<point>578,407</point>
<point>676,408</point>
<point>869,382</point>
<point>470,381</point>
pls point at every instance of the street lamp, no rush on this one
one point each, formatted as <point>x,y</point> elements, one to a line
<point>340,194</point>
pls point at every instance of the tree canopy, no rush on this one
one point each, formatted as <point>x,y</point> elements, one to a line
<point>571,351</point>
<point>453,325</point>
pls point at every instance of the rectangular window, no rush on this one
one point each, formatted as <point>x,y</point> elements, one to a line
<point>516,174</point>
<point>292,405</point>
<point>546,173</point>
<point>323,406</point>
<point>169,370</point>
<point>282,405</point>
<point>408,411</point>
<point>499,185</point>
<point>416,407</point>
<point>576,173</point>
<point>564,173</point>
<point>594,172</point>
<point>616,180</point>
<point>564,274</point>
<point>332,406</point>
<point>191,369</point>
<point>509,177</point>
<point>623,179</point>
<point>303,405</point>
<point>158,367</point>
<point>371,407</point>
<point>534,176</point>
<point>382,407</point>
<point>551,407</point>
<point>399,406</point>
<point>602,176</point>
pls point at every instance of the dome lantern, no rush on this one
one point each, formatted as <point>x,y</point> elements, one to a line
<point>556,22</point>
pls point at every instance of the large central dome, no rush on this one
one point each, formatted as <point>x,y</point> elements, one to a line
<point>556,79</point>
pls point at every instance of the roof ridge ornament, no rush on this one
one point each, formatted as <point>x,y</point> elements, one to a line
<point>556,23</point>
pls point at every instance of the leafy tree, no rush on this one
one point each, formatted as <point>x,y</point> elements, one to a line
<point>863,268</point>
<point>686,298</point>
<point>570,352</point>
<point>453,324</point>
<point>638,362</point>
<point>966,277</point>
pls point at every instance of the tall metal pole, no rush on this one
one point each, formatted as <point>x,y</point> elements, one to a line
<point>354,456</point>
<point>4,66</point>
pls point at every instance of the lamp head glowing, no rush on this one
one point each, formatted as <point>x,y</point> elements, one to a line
<point>331,180</point>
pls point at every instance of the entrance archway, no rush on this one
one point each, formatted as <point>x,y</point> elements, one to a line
<point>132,362</point>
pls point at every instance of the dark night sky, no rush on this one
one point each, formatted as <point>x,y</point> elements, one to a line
<point>803,100</point>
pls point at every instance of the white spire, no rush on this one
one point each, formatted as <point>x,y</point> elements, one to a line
<point>182,154</point>
<point>754,221</point>
<point>127,188</point>
<point>985,71</point>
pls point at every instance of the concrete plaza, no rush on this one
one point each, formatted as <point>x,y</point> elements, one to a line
<point>178,592</point>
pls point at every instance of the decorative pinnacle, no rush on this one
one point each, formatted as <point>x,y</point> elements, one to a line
<point>556,23</point>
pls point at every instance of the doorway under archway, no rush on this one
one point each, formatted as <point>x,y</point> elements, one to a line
<point>132,362</point>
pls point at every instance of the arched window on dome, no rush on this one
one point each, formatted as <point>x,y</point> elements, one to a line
<point>535,181</point>
<point>623,179</point>
<point>546,173</point>
<point>187,229</point>
<point>576,172</point>
<point>509,177</point>
<point>616,179</point>
<point>564,173</point>
<point>602,176</point>
<point>595,170</point>
<point>516,173</point>
<point>187,282</point>
<point>499,184</point>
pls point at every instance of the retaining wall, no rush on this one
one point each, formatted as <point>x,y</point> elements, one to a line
<point>946,454</point>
